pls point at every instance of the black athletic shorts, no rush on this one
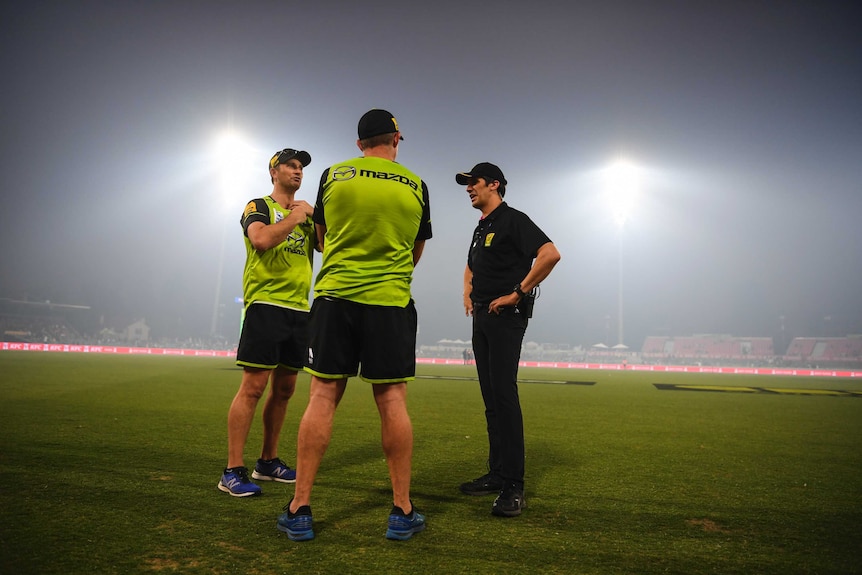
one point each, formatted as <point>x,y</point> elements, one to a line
<point>344,335</point>
<point>272,336</point>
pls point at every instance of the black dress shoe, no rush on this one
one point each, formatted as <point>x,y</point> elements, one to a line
<point>510,502</point>
<point>486,485</point>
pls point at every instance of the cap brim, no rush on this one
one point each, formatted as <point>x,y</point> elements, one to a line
<point>303,157</point>
<point>463,178</point>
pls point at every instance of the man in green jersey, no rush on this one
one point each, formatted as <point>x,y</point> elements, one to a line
<point>279,244</point>
<point>372,217</point>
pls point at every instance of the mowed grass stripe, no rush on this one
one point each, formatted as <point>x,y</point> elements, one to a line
<point>520,380</point>
<point>747,389</point>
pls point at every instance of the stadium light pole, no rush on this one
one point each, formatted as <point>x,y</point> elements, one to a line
<point>621,189</point>
<point>233,157</point>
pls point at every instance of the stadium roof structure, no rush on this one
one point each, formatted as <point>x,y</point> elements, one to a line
<point>42,304</point>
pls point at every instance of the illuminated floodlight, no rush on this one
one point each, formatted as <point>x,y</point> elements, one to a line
<point>234,165</point>
<point>622,186</point>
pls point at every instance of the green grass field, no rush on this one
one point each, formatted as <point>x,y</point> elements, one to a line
<point>109,465</point>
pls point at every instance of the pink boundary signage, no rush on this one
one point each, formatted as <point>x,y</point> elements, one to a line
<point>673,368</point>
<point>111,349</point>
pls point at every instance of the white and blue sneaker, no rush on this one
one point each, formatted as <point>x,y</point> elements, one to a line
<point>403,526</point>
<point>236,482</point>
<point>273,470</point>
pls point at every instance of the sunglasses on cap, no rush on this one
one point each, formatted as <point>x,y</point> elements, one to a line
<point>282,157</point>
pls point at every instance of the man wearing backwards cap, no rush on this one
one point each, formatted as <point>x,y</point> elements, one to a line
<point>372,217</point>
<point>279,242</point>
<point>508,258</point>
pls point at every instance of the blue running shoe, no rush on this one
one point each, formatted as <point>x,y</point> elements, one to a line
<point>402,526</point>
<point>236,482</point>
<point>273,470</point>
<point>298,526</point>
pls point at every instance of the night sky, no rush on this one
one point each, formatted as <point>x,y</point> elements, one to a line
<point>743,120</point>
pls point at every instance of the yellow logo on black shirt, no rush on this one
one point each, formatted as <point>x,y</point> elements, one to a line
<point>488,239</point>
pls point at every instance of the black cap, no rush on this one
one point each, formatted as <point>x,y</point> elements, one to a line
<point>282,156</point>
<point>485,170</point>
<point>376,122</point>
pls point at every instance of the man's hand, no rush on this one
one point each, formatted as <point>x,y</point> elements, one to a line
<point>510,300</point>
<point>302,206</point>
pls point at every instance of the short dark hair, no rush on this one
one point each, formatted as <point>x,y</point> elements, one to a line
<point>501,189</point>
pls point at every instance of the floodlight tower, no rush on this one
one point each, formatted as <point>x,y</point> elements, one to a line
<point>621,187</point>
<point>233,164</point>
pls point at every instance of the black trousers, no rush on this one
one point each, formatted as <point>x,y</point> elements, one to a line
<point>497,347</point>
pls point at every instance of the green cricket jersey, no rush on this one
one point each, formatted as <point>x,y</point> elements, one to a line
<point>280,275</point>
<point>374,210</point>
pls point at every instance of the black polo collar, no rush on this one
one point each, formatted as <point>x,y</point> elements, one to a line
<point>497,211</point>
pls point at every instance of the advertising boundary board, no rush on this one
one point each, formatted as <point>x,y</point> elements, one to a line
<point>123,350</point>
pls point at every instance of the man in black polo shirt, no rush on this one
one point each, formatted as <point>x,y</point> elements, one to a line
<point>509,256</point>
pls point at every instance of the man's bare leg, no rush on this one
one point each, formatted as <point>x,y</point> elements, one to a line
<point>315,431</point>
<point>241,413</point>
<point>396,433</point>
<point>280,391</point>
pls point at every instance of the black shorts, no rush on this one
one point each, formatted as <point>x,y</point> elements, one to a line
<point>272,336</point>
<point>344,335</point>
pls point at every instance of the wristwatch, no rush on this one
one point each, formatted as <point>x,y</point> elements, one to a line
<point>517,289</point>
